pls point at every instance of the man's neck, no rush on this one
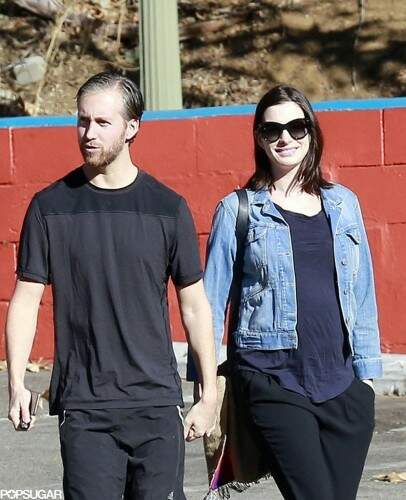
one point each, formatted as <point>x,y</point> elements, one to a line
<point>116,175</point>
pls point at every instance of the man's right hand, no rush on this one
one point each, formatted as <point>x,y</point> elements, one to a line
<point>19,409</point>
<point>201,419</point>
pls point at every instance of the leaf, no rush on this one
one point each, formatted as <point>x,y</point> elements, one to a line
<point>392,477</point>
<point>33,367</point>
<point>40,364</point>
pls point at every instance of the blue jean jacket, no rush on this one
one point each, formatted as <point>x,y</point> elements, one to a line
<point>268,311</point>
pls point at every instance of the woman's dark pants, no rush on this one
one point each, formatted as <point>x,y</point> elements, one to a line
<point>315,451</point>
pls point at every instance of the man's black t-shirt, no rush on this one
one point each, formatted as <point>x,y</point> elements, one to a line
<point>108,254</point>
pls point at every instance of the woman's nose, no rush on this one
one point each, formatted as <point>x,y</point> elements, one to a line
<point>285,137</point>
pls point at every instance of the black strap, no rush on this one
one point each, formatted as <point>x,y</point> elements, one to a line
<point>241,229</point>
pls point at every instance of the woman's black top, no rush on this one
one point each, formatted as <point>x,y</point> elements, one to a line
<point>321,367</point>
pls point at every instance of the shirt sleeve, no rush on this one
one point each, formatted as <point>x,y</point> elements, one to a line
<point>33,253</point>
<point>185,266</point>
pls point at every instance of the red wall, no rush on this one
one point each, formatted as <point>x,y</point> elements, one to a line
<point>205,158</point>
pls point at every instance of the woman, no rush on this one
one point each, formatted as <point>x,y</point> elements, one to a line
<point>306,347</point>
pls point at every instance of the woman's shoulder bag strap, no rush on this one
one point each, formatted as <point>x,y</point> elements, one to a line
<point>241,229</point>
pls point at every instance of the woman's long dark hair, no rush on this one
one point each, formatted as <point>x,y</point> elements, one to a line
<point>309,175</point>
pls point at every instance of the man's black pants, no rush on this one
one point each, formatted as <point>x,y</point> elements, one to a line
<point>135,454</point>
<point>315,451</point>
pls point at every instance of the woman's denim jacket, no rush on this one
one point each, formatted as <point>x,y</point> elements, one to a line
<point>268,314</point>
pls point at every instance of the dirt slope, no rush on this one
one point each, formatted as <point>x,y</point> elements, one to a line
<point>232,51</point>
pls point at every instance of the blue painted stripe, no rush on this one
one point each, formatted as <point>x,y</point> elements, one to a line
<point>360,104</point>
<point>38,121</point>
<point>182,114</point>
<point>246,109</point>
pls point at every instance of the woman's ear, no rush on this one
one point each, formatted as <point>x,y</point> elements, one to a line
<point>132,129</point>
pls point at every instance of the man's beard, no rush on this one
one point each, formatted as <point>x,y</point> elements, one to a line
<point>101,158</point>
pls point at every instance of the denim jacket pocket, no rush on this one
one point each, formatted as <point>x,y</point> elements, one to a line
<point>250,288</point>
<point>255,249</point>
<point>256,232</point>
<point>262,311</point>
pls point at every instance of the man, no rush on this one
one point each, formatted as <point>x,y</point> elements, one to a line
<point>107,237</point>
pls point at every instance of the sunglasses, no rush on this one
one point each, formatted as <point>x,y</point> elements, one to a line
<point>271,131</point>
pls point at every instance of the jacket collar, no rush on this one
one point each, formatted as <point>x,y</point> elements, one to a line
<point>331,196</point>
<point>263,198</point>
<point>332,202</point>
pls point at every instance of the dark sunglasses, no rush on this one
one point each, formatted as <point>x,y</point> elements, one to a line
<point>271,131</point>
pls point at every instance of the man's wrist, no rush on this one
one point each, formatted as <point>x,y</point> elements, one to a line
<point>209,396</point>
<point>16,383</point>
